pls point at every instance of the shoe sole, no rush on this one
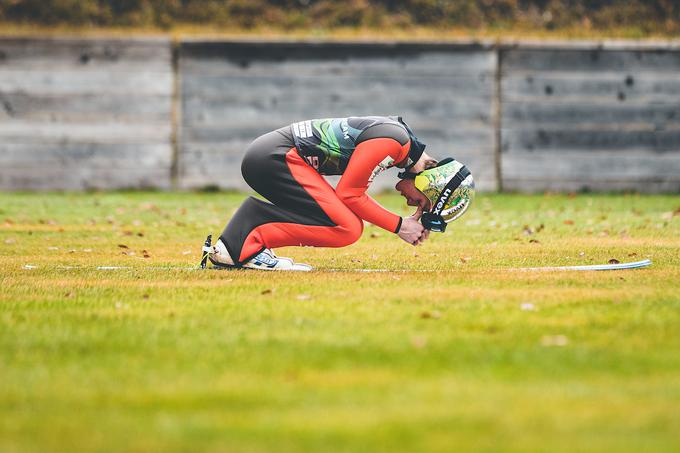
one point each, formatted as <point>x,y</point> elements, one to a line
<point>218,265</point>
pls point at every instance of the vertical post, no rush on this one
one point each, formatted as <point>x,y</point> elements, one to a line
<point>498,115</point>
<point>175,116</point>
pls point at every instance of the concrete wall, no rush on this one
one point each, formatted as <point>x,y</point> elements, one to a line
<point>83,114</point>
<point>78,114</point>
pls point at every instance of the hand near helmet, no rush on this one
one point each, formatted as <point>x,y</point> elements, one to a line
<point>412,231</point>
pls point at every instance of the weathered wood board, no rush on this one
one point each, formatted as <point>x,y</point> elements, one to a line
<point>85,113</point>
<point>100,113</point>
<point>234,92</point>
<point>590,119</point>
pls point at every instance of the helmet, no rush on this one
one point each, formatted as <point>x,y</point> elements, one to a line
<point>450,188</point>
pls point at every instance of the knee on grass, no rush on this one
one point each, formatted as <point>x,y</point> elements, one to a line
<point>348,231</point>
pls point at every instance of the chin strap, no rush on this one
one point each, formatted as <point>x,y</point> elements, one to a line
<point>406,175</point>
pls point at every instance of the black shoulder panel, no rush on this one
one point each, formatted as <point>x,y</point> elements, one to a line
<point>385,130</point>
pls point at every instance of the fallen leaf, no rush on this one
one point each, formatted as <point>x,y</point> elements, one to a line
<point>534,241</point>
<point>554,340</point>
<point>419,342</point>
<point>581,253</point>
<point>68,294</point>
<point>632,254</point>
<point>123,246</point>
<point>266,291</point>
<point>430,314</point>
<point>375,235</point>
<point>145,296</point>
<point>465,259</point>
<point>614,261</point>
<point>527,230</point>
<point>568,222</point>
<point>149,207</point>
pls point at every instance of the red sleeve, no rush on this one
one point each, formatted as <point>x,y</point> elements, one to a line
<point>352,186</point>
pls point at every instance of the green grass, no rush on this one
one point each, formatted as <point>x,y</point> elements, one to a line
<point>152,359</point>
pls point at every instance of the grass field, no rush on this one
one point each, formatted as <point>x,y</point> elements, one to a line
<point>467,355</point>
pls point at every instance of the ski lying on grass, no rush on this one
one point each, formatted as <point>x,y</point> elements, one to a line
<point>593,267</point>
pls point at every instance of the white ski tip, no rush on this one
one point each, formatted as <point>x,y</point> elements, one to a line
<point>593,267</point>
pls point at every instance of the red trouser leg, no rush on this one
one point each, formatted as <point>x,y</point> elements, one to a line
<point>304,210</point>
<point>347,230</point>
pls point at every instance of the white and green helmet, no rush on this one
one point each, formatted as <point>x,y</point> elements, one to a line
<point>450,188</point>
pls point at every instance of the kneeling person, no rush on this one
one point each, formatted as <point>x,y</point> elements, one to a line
<point>286,167</point>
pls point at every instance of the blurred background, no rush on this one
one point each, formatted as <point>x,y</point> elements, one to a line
<point>532,95</point>
<point>631,18</point>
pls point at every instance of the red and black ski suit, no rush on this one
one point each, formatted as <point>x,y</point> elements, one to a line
<point>286,166</point>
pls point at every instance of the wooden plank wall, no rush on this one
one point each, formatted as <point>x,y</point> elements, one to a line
<point>233,92</point>
<point>100,113</point>
<point>85,113</point>
<point>590,118</point>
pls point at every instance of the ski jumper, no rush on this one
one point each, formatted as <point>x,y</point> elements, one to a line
<point>286,167</point>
